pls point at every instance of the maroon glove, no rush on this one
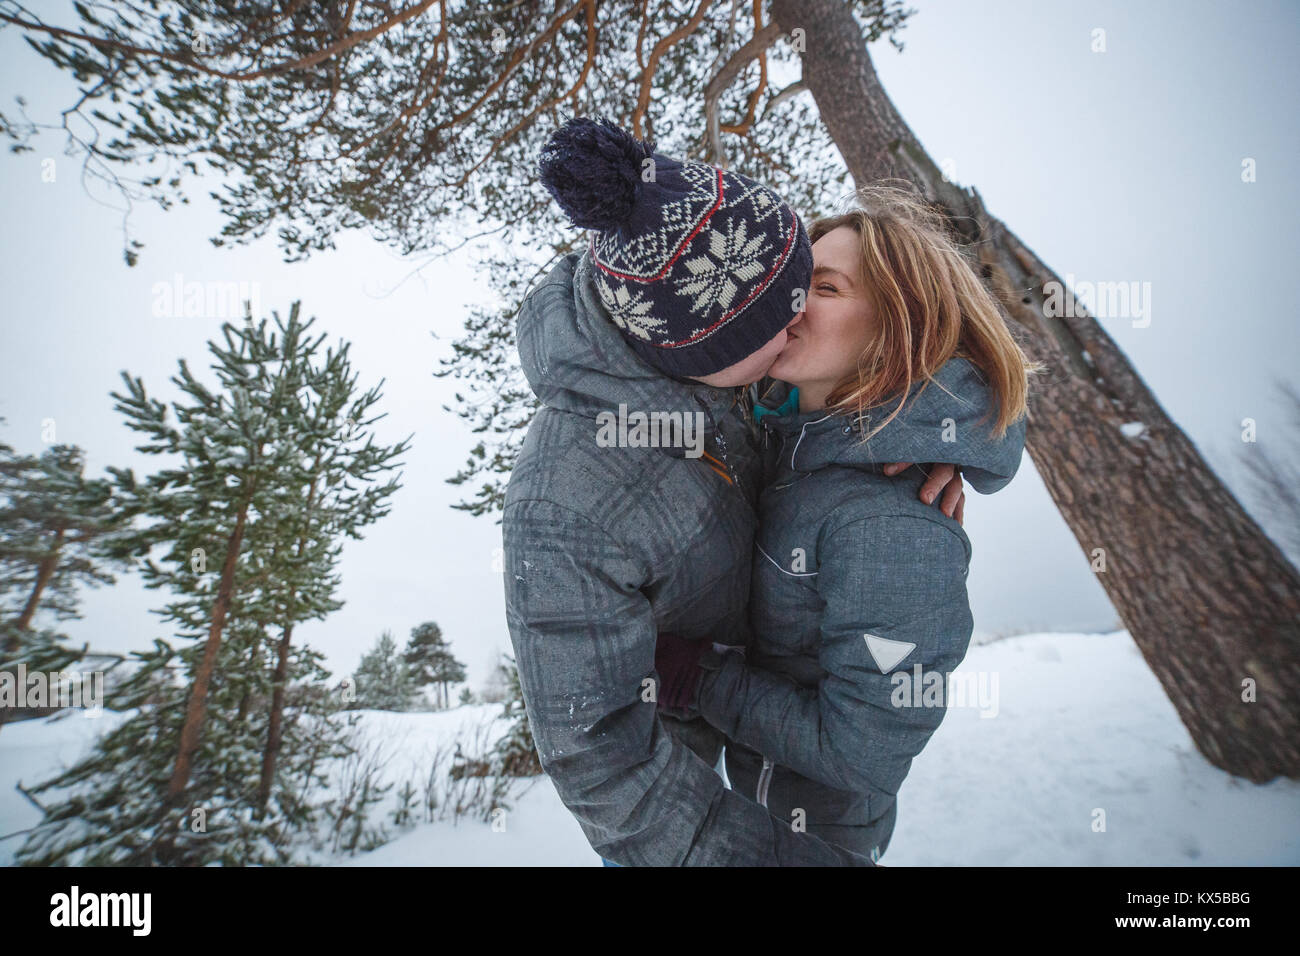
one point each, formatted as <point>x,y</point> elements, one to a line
<point>677,661</point>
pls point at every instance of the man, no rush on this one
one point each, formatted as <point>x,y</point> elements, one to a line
<point>611,535</point>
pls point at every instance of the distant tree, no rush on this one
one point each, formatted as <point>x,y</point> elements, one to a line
<point>429,658</point>
<point>497,685</point>
<point>466,696</point>
<point>383,680</point>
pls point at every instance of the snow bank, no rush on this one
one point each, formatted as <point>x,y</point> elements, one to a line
<point>1080,725</point>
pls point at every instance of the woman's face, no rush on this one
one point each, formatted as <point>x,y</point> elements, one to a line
<point>837,323</point>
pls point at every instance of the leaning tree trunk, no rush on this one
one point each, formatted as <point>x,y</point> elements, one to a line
<point>196,710</point>
<point>1211,602</point>
<point>44,571</point>
<point>275,728</point>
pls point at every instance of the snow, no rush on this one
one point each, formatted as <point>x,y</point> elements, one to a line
<point>538,831</point>
<point>1080,724</point>
<point>1132,429</point>
<point>411,738</point>
<point>33,751</point>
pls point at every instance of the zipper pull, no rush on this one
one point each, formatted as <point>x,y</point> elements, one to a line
<point>764,779</point>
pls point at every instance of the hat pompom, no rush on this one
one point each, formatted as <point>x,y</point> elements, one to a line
<point>593,170</point>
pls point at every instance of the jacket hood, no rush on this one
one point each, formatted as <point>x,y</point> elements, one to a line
<point>576,359</point>
<point>948,420</point>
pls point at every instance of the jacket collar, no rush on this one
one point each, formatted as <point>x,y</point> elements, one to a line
<point>947,419</point>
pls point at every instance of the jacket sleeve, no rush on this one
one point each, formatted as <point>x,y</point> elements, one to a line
<point>1001,462</point>
<point>900,579</point>
<point>584,640</point>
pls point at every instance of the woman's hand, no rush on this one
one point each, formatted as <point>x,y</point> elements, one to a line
<point>677,662</point>
<point>942,477</point>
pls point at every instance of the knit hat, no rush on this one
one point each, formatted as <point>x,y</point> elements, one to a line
<point>696,265</point>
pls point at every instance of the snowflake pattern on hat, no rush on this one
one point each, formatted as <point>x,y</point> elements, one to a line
<point>712,244</point>
<point>629,312</point>
<point>731,252</point>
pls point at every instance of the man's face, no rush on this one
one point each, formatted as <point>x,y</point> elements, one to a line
<point>749,369</point>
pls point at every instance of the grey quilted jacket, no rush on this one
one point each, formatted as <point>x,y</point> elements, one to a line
<point>856,584</point>
<point>604,547</point>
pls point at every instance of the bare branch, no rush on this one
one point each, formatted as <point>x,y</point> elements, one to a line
<point>662,47</point>
<point>794,89</point>
<point>757,44</point>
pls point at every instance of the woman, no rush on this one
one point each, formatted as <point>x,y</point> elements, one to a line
<point>858,606</point>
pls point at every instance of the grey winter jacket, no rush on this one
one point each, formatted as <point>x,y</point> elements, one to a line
<point>856,583</point>
<point>606,546</point>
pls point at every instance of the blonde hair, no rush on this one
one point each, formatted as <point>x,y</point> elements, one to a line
<point>930,304</point>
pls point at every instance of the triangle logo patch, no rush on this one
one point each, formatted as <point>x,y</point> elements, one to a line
<point>886,653</point>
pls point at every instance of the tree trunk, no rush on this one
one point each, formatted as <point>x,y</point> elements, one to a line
<point>196,710</point>
<point>273,733</point>
<point>44,571</point>
<point>1211,602</point>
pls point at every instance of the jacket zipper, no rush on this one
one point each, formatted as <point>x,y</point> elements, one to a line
<point>764,779</point>
<point>722,446</point>
<point>757,399</point>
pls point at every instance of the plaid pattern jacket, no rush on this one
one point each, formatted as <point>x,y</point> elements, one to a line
<point>606,545</point>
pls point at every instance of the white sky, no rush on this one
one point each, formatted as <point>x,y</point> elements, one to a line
<point>1115,166</point>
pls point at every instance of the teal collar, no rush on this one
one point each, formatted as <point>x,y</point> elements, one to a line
<point>788,407</point>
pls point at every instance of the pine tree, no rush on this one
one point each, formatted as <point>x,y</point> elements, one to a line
<point>429,657</point>
<point>337,494</point>
<point>383,680</point>
<point>112,807</point>
<point>54,524</point>
<point>496,687</point>
<point>422,647</point>
<point>190,774</point>
<point>239,460</point>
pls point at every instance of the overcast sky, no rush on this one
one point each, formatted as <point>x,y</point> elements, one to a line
<point>1115,166</point>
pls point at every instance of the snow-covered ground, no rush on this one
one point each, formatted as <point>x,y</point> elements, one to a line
<point>1080,726</point>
